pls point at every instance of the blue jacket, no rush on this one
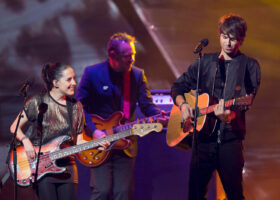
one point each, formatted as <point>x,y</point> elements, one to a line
<point>99,94</point>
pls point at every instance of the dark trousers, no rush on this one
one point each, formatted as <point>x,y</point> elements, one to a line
<point>57,191</point>
<point>227,159</point>
<point>113,178</point>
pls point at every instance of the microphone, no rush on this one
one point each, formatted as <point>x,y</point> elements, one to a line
<point>22,91</point>
<point>203,43</point>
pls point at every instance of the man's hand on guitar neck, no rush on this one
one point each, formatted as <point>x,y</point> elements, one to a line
<point>97,134</point>
<point>222,114</point>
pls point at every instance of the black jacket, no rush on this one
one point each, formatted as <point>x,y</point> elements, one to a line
<point>242,77</point>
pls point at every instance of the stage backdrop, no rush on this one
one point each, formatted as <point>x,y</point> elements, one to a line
<point>33,32</point>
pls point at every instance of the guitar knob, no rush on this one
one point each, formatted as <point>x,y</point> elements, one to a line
<point>91,153</point>
<point>97,158</point>
<point>85,158</point>
<point>90,162</point>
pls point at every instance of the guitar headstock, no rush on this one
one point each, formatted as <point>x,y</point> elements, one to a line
<point>244,101</point>
<point>146,128</point>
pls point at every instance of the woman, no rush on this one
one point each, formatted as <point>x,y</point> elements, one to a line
<point>53,114</point>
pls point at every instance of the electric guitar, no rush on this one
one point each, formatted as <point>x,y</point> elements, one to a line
<point>178,130</point>
<point>95,157</point>
<point>51,151</point>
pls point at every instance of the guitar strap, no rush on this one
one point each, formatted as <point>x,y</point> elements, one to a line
<point>69,104</point>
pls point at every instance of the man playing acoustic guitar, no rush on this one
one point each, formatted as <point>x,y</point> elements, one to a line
<point>223,76</point>
<point>105,88</point>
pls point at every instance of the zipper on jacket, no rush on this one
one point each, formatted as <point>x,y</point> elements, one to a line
<point>224,95</point>
<point>213,86</point>
<point>224,92</point>
<point>219,136</point>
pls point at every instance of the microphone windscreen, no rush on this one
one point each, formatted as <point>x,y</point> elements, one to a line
<point>204,41</point>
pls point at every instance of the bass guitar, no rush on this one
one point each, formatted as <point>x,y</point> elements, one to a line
<point>178,131</point>
<point>95,157</point>
<point>51,151</point>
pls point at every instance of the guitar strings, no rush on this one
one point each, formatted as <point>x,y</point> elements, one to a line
<point>43,157</point>
<point>26,162</point>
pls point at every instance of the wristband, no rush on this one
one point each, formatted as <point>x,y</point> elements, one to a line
<point>180,107</point>
<point>24,137</point>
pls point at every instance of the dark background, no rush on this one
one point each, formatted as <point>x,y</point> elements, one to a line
<point>33,32</point>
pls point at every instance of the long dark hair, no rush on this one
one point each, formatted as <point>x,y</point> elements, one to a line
<point>52,71</point>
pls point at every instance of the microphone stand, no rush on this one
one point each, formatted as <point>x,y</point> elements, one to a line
<point>14,141</point>
<point>195,151</point>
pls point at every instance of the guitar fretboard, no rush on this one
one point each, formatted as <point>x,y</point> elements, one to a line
<point>210,109</point>
<point>88,145</point>
<point>121,131</point>
<point>129,125</point>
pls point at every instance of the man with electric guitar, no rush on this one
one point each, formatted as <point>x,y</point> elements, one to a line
<point>106,89</point>
<point>225,77</point>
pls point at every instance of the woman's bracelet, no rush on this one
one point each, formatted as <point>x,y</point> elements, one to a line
<point>24,137</point>
<point>180,107</point>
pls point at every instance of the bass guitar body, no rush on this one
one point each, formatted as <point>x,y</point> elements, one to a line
<point>26,169</point>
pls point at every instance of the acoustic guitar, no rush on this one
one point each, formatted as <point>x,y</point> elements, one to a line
<point>178,131</point>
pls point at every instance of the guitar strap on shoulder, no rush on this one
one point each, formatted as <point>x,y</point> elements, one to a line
<point>70,104</point>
